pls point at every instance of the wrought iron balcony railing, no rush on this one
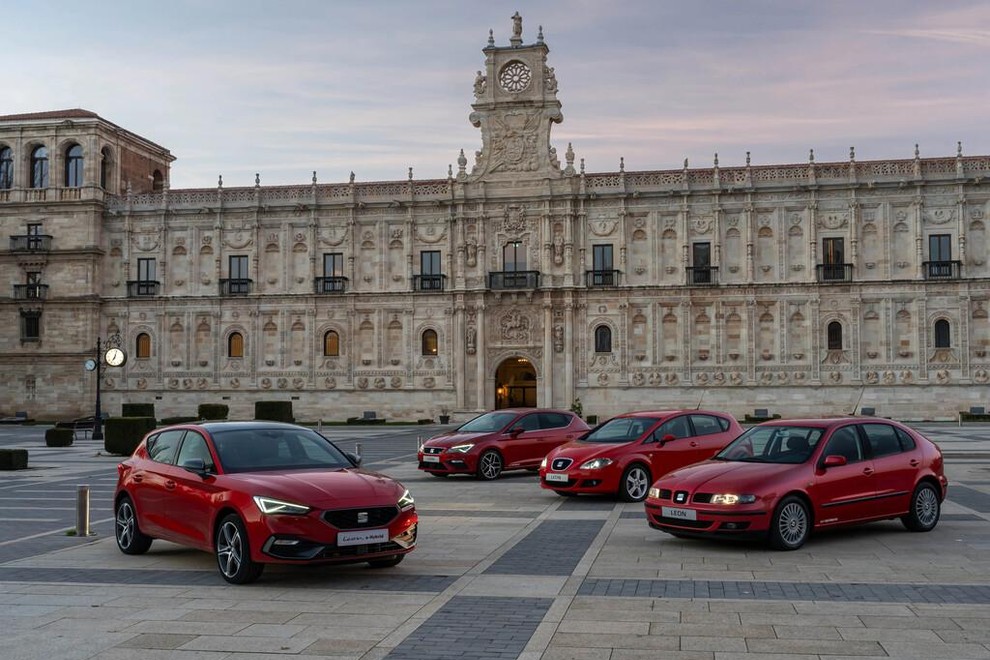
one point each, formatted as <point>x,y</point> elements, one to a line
<point>514,279</point>
<point>235,287</point>
<point>602,278</point>
<point>702,275</point>
<point>30,291</point>
<point>330,284</point>
<point>429,282</point>
<point>31,243</point>
<point>137,288</point>
<point>835,272</point>
<point>941,270</point>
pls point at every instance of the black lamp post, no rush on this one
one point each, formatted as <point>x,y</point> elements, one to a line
<point>113,341</point>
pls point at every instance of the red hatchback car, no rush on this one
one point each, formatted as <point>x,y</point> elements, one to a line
<point>782,479</point>
<point>257,493</point>
<point>624,455</point>
<point>507,439</point>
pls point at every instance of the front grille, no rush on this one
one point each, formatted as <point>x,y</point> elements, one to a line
<point>334,552</point>
<point>432,450</point>
<point>681,497</point>
<point>702,498</point>
<point>352,518</point>
<point>688,524</point>
<point>436,467</point>
<point>558,464</point>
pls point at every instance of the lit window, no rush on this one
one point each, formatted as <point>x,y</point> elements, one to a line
<point>429,342</point>
<point>331,344</point>
<point>39,167</point>
<point>235,345</point>
<point>74,167</point>
<point>142,346</point>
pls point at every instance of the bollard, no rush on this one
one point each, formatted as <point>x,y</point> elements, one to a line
<point>82,510</point>
<point>357,449</point>
<point>319,427</point>
<point>419,443</point>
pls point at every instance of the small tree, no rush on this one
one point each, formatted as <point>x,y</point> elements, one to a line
<point>576,407</point>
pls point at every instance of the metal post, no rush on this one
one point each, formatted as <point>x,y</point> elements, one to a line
<point>98,421</point>
<point>82,510</point>
<point>357,449</point>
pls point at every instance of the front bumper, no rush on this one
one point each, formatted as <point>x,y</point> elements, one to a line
<point>605,480</point>
<point>741,522</point>
<point>449,463</point>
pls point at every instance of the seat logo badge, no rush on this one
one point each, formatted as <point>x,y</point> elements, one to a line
<point>362,517</point>
<point>681,497</point>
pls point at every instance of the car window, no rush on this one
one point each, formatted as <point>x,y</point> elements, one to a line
<point>528,422</point>
<point>882,438</point>
<point>844,442</point>
<point>706,424</point>
<point>677,427</point>
<point>194,446</point>
<point>905,439</point>
<point>773,444</point>
<point>553,420</point>
<point>162,449</point>
<point>621,429</point>
<point>487,423</point>
<point>256,449</point>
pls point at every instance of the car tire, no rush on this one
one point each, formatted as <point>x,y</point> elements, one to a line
<point>790,526</point>
<point>130,539</point>
<point>489,465</point>
<point>388,562</point>
<point>635,483</point>
<point>234,552</point>
<point>925,509</point>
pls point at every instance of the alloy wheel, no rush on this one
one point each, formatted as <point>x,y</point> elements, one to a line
<point>926,507</point>
<point>792,524</point>
<point>490,465</point>
<point>230,549</point>
<point>125,525</point>
<point>636,484</point>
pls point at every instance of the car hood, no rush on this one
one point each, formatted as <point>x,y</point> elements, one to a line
<point>448,440</point>
<point>321,489</point>
<point>580,451</point>
<point>736,476</point>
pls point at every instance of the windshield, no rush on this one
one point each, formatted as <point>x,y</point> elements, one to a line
<point>487,423</point>
<point>622,429</point>
<point>773,444</point>
<point>251,450</point>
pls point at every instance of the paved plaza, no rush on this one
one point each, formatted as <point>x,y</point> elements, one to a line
<point>503,569</point>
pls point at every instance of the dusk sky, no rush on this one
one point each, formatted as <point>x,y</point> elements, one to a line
<point>235,87</point>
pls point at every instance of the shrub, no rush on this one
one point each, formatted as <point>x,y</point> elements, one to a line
<point>168,421</point>
<point>137,410</point>
<point>122,435</point>
<point>59,437</point>
<point>592,420</point>
<point>274,411</point>
<point>13,459</point>
<point>424,421</point>
<point>752,419</point>
<point>213,411</point>
<point>974,417</point>
<point>365,420</point>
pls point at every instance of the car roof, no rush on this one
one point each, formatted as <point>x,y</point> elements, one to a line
<point>825,422</point>
<point>668,413</point>
<point>238,426</point>
<point>520,411</point>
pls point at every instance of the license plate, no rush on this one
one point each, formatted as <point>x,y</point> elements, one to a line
<point>362,537</point>
<point>683,514</point>
<point>431,459</point>
<point>555,476</point>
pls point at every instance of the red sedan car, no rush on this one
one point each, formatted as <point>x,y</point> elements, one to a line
<point>257,493</point>
<point>624,455</point>
<point>508,439</point>
<point>782,479</point>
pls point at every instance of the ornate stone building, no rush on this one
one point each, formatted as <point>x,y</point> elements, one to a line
<point>519,279</point>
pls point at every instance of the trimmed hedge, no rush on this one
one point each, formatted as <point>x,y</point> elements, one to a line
<point>59,437</point>
<point>750,419</point>
<point>974,417</point>
<point>213,411</point>
<point>137,410</point>
<point>122,435</point>
<point>363,420</point>
<point>274,411</point>
<point>168,421</point>
<point>13,459</point>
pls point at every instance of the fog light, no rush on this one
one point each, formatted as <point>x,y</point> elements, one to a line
<point>285,542</point>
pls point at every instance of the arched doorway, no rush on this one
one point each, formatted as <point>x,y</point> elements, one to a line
<point>515,384</point>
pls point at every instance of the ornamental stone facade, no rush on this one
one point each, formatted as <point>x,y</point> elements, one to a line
<point>520,279</point>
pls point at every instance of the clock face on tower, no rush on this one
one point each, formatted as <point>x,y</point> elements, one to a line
<point>115,357</point>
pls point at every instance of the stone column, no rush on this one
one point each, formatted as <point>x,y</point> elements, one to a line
<point>547,352</point>
<point>481,380</point>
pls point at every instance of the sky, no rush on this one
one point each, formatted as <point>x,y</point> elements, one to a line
<point>285,87</point>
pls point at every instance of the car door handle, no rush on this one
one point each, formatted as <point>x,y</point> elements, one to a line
<point>169,485</point>
<point>915,462</point>
<point>137,478</point>
<point>694,444</point>
<point>867,471</point>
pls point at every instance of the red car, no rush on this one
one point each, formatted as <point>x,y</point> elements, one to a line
<point>782,479</point>
<point>507,439</point>
<point>259,493</point>
<point>624,455</point>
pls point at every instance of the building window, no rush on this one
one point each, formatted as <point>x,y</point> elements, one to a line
<point>235,345</point>
<point>30,325</point>
<point>74,166</point>
<point>239,283</point>
<point>34,240</point>
<point>105,161</point>
<point>940,264</point>
<point>835,336</point>
<point>331,344</point>
<point>429,342</point>
<point>430,277</point>
<point>147,277</point>
<point>603,339</point>
<point>603,270</point>
<point>6,168</point>
<point>942,334</point>
<point>513,257</point>
<point>333,264</point>
<point>157,181</point>
<point>701,263</point>
<point>39,167</point>
<point>142,345</point>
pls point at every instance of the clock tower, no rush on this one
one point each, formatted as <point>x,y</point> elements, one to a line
<point>515,106</point>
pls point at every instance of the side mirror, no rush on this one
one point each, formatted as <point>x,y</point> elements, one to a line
<point>516,432</point>
<point>197,466</point>
<point>667,438</point>
<point>354,458</point>
<point>834,460</point>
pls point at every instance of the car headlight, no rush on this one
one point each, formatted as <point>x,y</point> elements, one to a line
<point>461,449</point>
<point>270,506</point>
<point>596,463</point>
<point>654,493</point>
<point>732,498</point>
<point>543,463</point>
<point>406,501</point>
